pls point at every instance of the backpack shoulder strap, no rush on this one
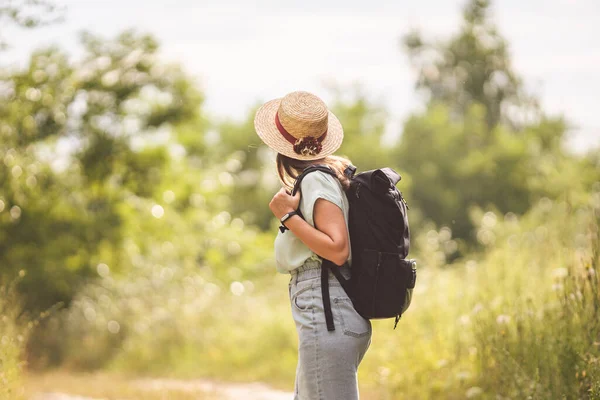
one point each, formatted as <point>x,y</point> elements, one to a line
<point>308,170</point>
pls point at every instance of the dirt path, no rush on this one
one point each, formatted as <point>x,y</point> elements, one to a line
<point>249,391</point>
<point>221,391</point>
<point>58,396</point>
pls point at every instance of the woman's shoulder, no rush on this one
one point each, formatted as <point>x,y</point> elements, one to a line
<point>319,180</point>
<point>317,185</point>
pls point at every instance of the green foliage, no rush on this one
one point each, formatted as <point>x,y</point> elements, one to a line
<point>459,165</point>
<point>149,223</point>
<point>364,126</point>
<point>517,320</point>
<point>27,14</point>
<point>34,101</point>
<point>472,67</point>
<point>252,166</point>
<point>188,279</point>
<point>544,342</point>
<point>481,141</point>
<point>73,143</point>
<point>13,336</point>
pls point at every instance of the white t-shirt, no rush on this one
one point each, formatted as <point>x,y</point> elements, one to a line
<point>290,252</point>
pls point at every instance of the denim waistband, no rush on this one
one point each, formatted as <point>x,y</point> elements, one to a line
<point>312,269</point>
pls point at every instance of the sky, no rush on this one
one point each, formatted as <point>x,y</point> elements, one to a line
<point>243,53</point>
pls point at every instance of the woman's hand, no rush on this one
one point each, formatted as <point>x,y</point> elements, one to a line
<point>282,203</point>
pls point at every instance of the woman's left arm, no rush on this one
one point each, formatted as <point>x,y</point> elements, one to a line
<point>329,237</point>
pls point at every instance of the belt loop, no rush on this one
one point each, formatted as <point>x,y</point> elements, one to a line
<point>294,279</point>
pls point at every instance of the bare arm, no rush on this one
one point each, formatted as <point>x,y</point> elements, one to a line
<point>329,237</point>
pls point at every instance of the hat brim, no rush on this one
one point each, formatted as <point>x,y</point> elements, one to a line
<point>264,124</point>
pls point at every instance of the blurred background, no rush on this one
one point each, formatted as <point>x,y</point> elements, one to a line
<point>135,235</point>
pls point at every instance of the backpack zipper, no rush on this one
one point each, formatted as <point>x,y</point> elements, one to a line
<point>376,279</point>
<point>404,201</point>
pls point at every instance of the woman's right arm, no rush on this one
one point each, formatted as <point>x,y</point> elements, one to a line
<point>328,239</point>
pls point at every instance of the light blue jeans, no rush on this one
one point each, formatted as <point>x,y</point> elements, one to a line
<point>327,360</point>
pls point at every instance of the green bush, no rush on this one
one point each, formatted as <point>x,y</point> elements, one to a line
<point>180,300</point>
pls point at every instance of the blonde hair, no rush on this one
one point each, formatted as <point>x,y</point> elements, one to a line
<point>289,168</point>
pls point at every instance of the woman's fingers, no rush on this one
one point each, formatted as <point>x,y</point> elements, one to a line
<point>283,202</point>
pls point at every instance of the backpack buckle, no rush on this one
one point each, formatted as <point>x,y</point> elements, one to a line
<point>350,171</point>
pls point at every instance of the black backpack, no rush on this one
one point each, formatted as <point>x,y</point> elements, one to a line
<point>382,278</point>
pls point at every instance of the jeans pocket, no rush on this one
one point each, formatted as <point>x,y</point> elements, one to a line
<point>353,323</point>
<point>302,299</point>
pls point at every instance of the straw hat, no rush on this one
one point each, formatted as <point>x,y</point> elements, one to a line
<point>299,126</point>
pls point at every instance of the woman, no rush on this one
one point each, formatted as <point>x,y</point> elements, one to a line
<point>303,132</point>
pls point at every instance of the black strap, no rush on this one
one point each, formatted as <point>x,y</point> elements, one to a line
<point>326,299</point>
<point>343,281</point>
<point>325,266</point>
<point>309,169</point>
<point>284,228</point>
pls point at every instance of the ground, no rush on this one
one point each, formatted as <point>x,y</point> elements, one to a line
<point>66,386</point>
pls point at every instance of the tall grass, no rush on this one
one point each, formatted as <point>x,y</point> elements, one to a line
<point>12,343</point>
<point>545,344</point>
<point>518,320</point>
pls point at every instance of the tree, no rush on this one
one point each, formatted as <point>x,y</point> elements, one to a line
<point>472,67</point>
<point>60,210</point>
<point>27,14</point>
<point>472,148</point>
<point>364,126</point>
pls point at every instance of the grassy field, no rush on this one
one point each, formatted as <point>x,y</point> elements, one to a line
<point>519,320</point>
